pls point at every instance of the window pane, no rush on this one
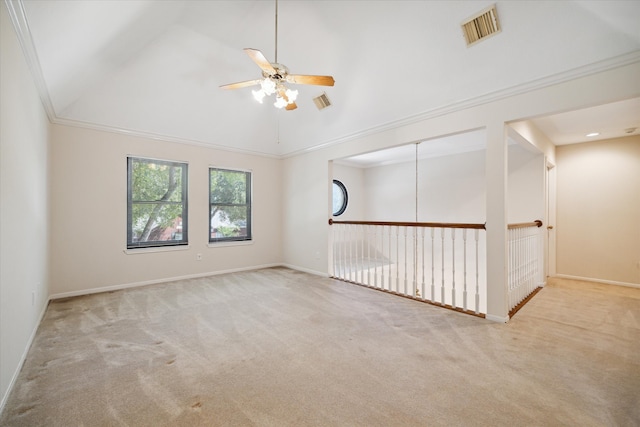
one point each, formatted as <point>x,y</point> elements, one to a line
<point>153,182</point>
<point>228,186</point>
<point>156,222</point>
<point>230,205</point>
<point>229,222</point>
<point>156,203</point>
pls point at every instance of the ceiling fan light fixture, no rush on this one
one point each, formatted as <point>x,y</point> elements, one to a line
<point>274,75</point>
<point>268,86</point>
<point>292,95</point>
<point>280,102</point>
<point>258,95</point>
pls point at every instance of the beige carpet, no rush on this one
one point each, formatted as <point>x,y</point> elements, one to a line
<point>277,347</point>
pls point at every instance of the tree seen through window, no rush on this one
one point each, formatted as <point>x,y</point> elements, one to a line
<point>229,205</point>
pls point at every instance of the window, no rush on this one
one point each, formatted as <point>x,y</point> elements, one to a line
<point>229,205</point>
<point>156,203</point>
<point>340,198</point>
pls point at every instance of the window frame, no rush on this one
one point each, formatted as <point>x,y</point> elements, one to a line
<point>184,241</point>
<point>218,241</point>
<point>345,197</point>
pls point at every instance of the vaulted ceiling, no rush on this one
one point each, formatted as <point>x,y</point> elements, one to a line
<point>154,68</point>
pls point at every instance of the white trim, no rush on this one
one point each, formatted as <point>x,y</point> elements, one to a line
<point>157,137</point>
<point>604,65</point>
<point>606,282</point>
<point>231,169</point>
<point>23,358</point>
<point>154,159</point>
<point>306,270</point>
<point>223,244</point>
<point>495,318</point>
<point>151,250</point>
<point>20,24</point>
<point>226,243</point>
<point>157,281</point>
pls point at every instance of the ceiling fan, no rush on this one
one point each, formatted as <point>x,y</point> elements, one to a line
<point>274,77</point>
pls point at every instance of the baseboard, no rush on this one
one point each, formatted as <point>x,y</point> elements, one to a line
<point>23,358</point>
<point>306,270</point>
<point>589,279</point>
<point>158,281</point>
<point>498,319</point>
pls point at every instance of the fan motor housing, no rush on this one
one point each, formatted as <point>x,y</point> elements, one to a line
<point>280,74</point>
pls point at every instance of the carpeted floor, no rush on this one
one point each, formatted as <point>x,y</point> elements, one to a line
<point>277,347</point>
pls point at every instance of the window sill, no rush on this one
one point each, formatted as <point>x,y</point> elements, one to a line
<point>227,244</point>
<point>158,249</point>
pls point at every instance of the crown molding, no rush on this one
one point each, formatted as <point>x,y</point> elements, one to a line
<point>587,70</point>
<point>18,18</point>
<point>159,137</point>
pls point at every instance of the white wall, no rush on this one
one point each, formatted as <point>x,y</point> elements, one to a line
<point>24,195</point>
<point>89,213</point>
<point>306,176</point>
<point>526,186</point>
<point>450,189</point>
<point>598,223</point>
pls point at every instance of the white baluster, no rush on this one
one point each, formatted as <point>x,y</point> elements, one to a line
<point>512,265</point>
<point>381,257</point>
<point>351,262</point>
<point>405,261</point>
<point>389,282</point>
<point>477,233</point>
<point>396,287</point>
<point>356,244</point>
<point>359,254</point>
<point>338,249</point>
<point>464,273</point>
<point>453,267</point>
<point>433,266</point>
<point>424,296</point>
<point>334,254</point>
<point>367,231</point>
<point>414,281</point>
<point>442,268</point>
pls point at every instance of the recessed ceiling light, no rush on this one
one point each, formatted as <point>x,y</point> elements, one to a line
<point>592,134</point>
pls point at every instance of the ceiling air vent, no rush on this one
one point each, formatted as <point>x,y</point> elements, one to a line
<point>322,101</point>
<point>481,26</point>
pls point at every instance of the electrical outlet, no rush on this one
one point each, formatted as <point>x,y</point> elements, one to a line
<point>198,257</point>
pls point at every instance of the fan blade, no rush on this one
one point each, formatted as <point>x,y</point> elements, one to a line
<point>259,59</point>
<point>310,80</point>
<point>241,84</point>
<point>291,106</point>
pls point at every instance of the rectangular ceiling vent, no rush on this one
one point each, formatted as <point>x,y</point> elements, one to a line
<point>322,101</point>
<point>481,26</point>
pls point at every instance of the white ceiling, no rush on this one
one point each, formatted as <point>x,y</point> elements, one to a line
<point>613,120</point>
<point>154,68</point>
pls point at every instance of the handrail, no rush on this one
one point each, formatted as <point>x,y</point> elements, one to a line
<point>536,223</point>
<point>412,224</point>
